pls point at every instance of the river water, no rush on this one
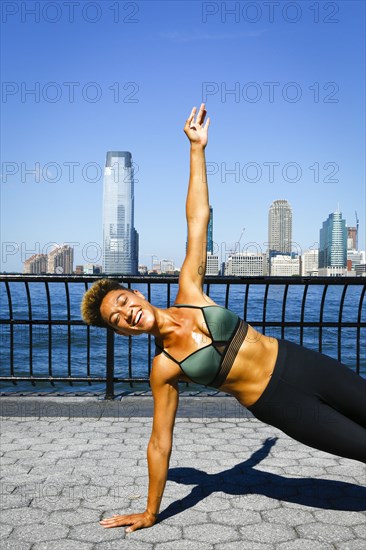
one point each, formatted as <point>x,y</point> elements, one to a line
<point>139,345</point>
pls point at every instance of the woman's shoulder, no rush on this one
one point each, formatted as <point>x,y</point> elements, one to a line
<point>165,371</point>
<point>194,298</point>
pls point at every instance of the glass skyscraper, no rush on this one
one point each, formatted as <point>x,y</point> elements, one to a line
<point>120,238</point>
<point>333,242</point>
<point>209,244</point>
<point>210,233</point>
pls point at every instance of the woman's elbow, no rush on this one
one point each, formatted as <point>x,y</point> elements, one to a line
<point>200,219</point>
<point>162,446</point>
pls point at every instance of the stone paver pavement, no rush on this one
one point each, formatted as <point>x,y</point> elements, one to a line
<point>234,483</point>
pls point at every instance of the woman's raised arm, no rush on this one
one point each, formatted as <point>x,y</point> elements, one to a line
<point>197,204</point>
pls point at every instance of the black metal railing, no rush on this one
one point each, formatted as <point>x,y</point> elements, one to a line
<point>335,315</point>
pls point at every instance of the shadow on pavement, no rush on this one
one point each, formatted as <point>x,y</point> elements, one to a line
<point>244,479</point>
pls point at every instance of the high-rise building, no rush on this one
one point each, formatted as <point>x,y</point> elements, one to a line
<point>36,264</point>
<point>351,238</point>
<point>61,260</point>
<point>212,264</point>
<point>210,233</point>
<point>155,264</point>
<point>333,242</point>
<point>280,227</point>
<point>356,257</point>
<point>209,244</point>
<point>310,263</point>
<point>245,264</point>
<point>120,238</point>
<point>283,265</point>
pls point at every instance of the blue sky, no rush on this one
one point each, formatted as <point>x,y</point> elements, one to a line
<point>125,75</point>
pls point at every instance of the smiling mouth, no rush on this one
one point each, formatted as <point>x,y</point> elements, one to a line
<point>137,318</point>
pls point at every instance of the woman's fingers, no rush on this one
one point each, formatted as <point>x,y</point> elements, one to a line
<point>207,123</point>
<point>201,114</point>
<point>134,527</point>
<point>191,116</point>
<point>134,521</point>
<point>117,520</point>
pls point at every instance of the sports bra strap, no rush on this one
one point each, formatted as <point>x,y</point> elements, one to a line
<point>166,353</point>
<point>188,305</point>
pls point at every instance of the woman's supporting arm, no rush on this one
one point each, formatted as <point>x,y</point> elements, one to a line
<point>166,395</point>
<point>158,465</point>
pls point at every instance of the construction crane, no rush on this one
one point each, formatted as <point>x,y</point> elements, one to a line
<point>233,251</point>
<point>357,223</point>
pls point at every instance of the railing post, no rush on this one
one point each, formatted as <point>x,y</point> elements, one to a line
<point>109,390</point>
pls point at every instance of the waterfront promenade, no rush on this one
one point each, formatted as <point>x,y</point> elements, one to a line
<point>234,483</point>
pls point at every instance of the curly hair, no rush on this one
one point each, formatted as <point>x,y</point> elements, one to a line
<point>92,300</point>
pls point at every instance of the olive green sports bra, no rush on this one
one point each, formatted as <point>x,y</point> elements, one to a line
<point>211,364</point>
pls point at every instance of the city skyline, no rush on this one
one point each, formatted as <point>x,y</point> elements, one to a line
<point>336,243</point>
<point>94,250</point>
<point>287,120</point>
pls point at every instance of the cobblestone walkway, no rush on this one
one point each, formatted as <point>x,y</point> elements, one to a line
<point>234,483</point>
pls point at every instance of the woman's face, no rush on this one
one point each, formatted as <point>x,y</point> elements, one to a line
<point>127,312</point>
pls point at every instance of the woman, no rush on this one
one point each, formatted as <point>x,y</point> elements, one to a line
<point>309,396</point>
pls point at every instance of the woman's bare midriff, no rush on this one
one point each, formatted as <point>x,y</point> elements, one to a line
<point>252,368</point>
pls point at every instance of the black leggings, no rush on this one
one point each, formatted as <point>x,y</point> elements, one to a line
<point>317,401</point>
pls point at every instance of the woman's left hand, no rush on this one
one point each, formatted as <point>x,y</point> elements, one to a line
<point>196,130</point>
